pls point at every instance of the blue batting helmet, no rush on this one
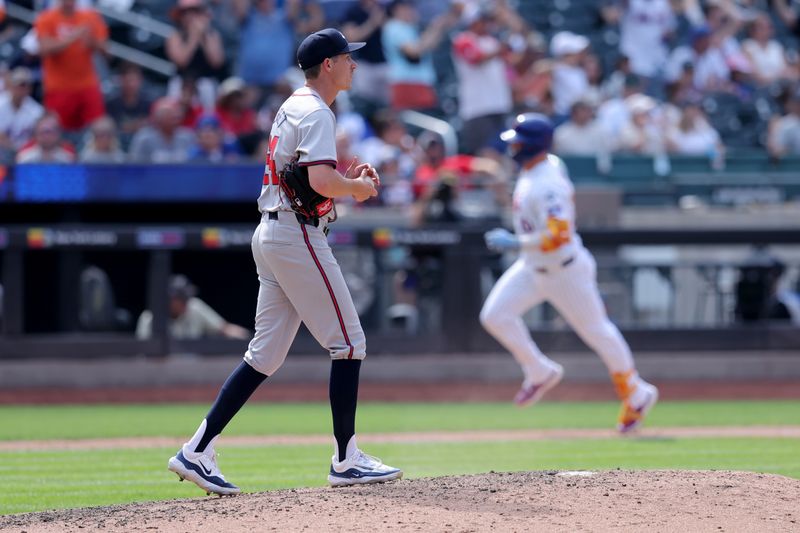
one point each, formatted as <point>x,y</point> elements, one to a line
<point>532,134</point>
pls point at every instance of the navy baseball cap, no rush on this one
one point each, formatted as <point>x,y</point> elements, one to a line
<point>323,44</point>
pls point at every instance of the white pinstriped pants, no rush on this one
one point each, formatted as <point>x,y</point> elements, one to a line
<point>300,281</point>
<point>572,290</point>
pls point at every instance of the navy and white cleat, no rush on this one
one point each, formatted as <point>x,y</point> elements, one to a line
<point>361,468</point>
<point>202,470</point>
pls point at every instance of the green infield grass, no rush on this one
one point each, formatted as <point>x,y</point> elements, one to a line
<point>48,479</point>
<point>181,420</point>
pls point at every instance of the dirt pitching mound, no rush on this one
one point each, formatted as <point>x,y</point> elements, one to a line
<point>523,501</point>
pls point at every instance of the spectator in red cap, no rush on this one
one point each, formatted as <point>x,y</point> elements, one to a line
<point>68,38</point>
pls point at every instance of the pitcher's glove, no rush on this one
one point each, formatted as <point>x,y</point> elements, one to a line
<point>304,200</point>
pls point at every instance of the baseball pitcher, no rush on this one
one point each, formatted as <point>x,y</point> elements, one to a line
<point>299,277</point>
<point>553,267</point>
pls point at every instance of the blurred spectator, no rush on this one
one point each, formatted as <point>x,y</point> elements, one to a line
<point>693,135</point>
<point>390,136</point>
<point>395,187</point>
<point>263,62</point>
<point>615,113</point>
<point>643,134</point>
<point>484,90</point>
<point>48,145</point>
<point>130,106</point>
<point>190,105</point>
<point>570,82</point>
<point>767,56</point>
<point>710,69</point>
<point>787,11</point>
<point>594,76</point>
<point>363,22</point>
<point>725,19</point>
<point>196,49</point>
<point>68,38</point>
<point>581,134</point>
<point>103,144</point>
<point>784,131</point>
<point>223,17</point>
<point>237,118</point>
<point>408,55</point>
<point>213,144</point>
<point>189,316</point>
<point>164,140</point>
<point>532,90</point>
<point>18,111</point>
<point>645,27</point>
<point>344,153</point>
<point>439,178</point>
<point>614,84</point>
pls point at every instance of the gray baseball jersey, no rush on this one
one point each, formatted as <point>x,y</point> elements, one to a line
<point>299,277</point>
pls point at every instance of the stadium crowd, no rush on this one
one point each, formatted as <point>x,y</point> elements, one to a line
<point>650,77</point>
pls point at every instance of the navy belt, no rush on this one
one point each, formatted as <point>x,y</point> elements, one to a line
<point>543,270</point>
<point>273,215</point>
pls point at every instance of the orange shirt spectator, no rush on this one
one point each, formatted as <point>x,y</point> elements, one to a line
<point>68,37</point>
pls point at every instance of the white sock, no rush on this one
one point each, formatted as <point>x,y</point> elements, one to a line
<point>537,369</point>
<point>196,438</point>
<point>638,395</point>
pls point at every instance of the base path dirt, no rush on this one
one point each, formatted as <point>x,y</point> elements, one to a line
<point>788,432</point>
<point>508,502</point>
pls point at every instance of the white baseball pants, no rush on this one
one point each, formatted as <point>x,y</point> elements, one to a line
<point>572,290</point>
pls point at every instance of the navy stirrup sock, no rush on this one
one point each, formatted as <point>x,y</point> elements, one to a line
<point>236,390</point>
<point>344,398</point>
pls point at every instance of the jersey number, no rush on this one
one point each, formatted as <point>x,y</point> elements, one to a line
<point>270,174</point>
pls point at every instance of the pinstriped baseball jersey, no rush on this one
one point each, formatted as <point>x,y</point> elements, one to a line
<point>304,126</point>
<point>544,196</point>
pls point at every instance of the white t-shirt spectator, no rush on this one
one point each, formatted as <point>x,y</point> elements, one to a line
<point>613,115</point>
<point>642,30</point>
<point>569,85</point>
<point>589,139</point>
<point>646,139</point>
<point>787,134</point>
<point>768,62</point>
<point>18,124</point>
<point>700,140</point>
<point>197,322</point>
<point>710,69</point>
<point>483,87</point>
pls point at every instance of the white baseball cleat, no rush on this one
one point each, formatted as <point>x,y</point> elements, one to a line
<point>361,468</point>
<point>631,417</point>
<point>530,393</point>
<point>202,470</point>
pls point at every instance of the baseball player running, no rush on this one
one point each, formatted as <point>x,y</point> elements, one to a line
<point>299,277</point>
<point>555,267</point>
